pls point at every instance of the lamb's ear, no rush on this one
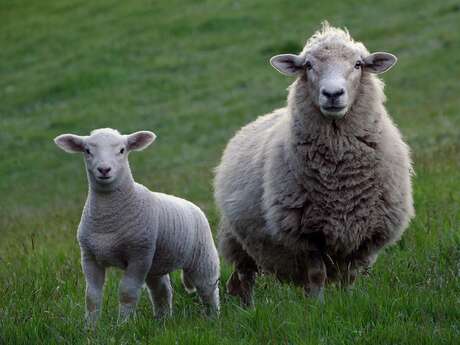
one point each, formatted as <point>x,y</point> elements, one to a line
<point>379,62</point>
<point>288,64</point>
<point>70,142</point>
<point>140,140</point>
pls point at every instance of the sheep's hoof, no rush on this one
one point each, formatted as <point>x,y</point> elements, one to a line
<point>234,285</point>
<point>241,289</point>
<point>315,292</point>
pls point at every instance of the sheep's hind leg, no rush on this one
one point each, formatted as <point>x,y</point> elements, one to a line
<point>316,276</point>
<point>241,282</point>
<point>160,291</point>
<point>348,277</point>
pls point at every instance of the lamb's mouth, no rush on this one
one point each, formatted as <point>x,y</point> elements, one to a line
<point>104,178</point>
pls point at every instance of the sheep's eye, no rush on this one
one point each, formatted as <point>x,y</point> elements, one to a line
<point>122,151</point>
<point>308,65</point>
<point>358,64</point>
<point>88,151</point>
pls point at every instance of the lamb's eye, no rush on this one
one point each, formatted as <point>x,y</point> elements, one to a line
<point>122,150</point>
<point>308,65</point>
<point>358,64</point>
<point>88,151</point>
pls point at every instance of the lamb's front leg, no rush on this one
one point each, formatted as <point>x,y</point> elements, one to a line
<point>131,286</point>
<point>95,277</point>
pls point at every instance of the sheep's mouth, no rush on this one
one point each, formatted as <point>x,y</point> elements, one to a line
<point>333,112</point>
<point>104,178</point>
<point>333,109</point>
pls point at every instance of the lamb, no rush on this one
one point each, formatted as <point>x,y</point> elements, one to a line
<point>146,234</point>
<point>312,192</point>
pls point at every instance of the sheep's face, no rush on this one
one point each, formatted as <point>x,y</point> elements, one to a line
<point>106,153</point>
<point>332,72</point>
<point>333,76</point>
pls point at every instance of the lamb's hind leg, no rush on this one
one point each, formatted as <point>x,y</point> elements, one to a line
<point>316,276</point>
<point>241,282</point>
<point>160,291</point>
<point>209,294</point>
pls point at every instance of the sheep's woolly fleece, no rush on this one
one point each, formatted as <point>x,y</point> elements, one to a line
<point>293,182</point>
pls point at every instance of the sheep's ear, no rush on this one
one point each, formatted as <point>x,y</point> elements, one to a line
<point>140,140</point>
<point>379,62</point>
<point>70,143</point>
<point>288,64</point>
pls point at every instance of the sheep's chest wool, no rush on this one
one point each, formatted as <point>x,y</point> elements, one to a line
<point>343,194</point>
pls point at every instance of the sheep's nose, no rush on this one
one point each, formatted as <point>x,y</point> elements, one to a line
<point>333,94</point>
<point>104,170</point>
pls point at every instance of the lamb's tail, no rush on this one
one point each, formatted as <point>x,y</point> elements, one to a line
<point>187,284</point>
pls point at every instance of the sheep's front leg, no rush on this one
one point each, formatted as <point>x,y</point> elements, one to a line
<point>316,276</point>
<point>359,265</point>
<point>95,277</point>
<point>131,286</point>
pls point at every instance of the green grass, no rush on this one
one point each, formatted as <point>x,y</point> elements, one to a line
<point>194,72</point>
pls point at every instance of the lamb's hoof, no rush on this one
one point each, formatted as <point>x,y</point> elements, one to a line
<point>211,313</point>
<point>90,322</point>
<point>90,326</point>
<point>162,315</point>
<point>124,318</point>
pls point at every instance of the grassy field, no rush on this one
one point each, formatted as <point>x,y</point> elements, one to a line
<point>194,72</point>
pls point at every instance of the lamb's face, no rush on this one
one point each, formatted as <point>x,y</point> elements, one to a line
<point>332,65</point>
<point>106,153</point>
<point>106,156</point>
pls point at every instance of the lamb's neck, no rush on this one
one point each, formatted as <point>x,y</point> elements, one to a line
<point>102,205</point>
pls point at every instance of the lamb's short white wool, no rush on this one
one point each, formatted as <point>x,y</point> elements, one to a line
<point>146,234</point>
<point>314,191</point>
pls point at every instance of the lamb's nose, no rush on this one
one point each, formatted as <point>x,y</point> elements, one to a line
<point>333,94</point>
<point>104,170</point>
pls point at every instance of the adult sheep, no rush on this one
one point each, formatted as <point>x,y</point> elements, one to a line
<point>312,192</point>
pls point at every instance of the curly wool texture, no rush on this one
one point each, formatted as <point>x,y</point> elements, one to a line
<point>133,223</point>
<point>148,235</point>
<point>292,182</point>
